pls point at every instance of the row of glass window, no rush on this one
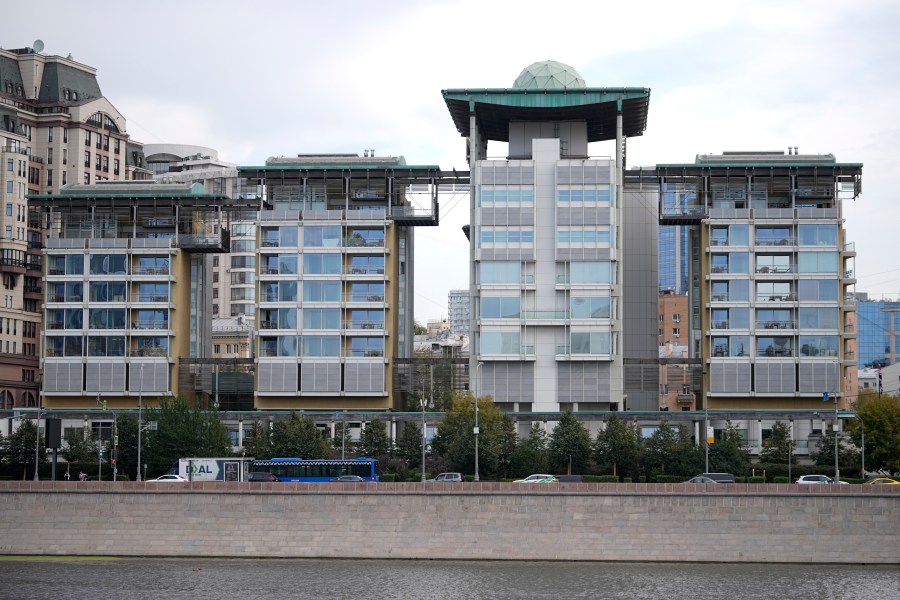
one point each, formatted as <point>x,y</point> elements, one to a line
<point>588,343</point>
<point>321,264</point>
<point>106,264</point>
<point>776,346</point>
<point>319,236</point>
<point>807,318</point>
<point>494,196</point>
<point>319,345</point>
<point>106,318</point>
<point>806,235</point>
<point>107,291</point>
<point>580,307</point>
<point>320,318</point>
<point>807,262</point>
<point>805,290</point>
<point>320,291</point>
<point>113,345</point>
<point>515,272</point>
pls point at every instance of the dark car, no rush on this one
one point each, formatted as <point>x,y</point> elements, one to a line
<point>261,476</point>
<point>350,478</point>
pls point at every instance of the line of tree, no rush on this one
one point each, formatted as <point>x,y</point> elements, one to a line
<point>184,429</point>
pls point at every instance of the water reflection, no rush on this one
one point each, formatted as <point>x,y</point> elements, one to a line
<point>198,579</point>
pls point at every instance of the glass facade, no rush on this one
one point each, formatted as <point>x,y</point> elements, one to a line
<point>874,337</point>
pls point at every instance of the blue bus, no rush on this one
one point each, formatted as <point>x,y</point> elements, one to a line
<point>298,469</point>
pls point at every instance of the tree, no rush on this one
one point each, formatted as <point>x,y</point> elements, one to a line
<point>418,329</point>
<point>455,439</point>
<point>779,446</point>
<point>258,444</point>
<point>81,446</point>
<point>728,454</point>
<point>670,450</point>
<point>618,447</point>
<point>570,444</point>
<point>530,456</point>
<point>409,448</point>
<point>374,441</point>
<point>126,429</point>
<point>183,430</point>
<point>20,448</point>
<point>342,442</point>
<point>824,455</point>
<point>880,415</point>
<point>298,437</point>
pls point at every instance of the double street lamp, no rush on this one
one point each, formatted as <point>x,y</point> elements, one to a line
<point>478,389</point>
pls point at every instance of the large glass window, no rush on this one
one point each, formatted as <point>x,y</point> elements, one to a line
<point>69,345</point>
<point>823,290</point>
<point>819,345</point>
<point>589,307</point>
<point>730,291</point>
<point>321,291</point>
<point>366,319</point>
<point>773,263</point>
<point>500,342</point>
<point>280,264</point>
<point>774,318</point>
<point>243,262</point>
<point>774,291</point>
<point>66,264</point>
<point>366,346</point>
<point>322,236</point>
<point>732,345</point>
<point>153,265</point>
<point>590,272</point>
<point>321,345</point>
<point>149,319</point>
<point>599,234</point>
<point>506,235</point>
<point>108,264</point>
<point>774,236</point>
<point>367,265</point>
<point>69,318</point>
<point>499,272</point>
<point>488,196</point>
<point>819,318</point>
<point>153,292</point>
<point>817,262</point>
<point>596,196</point>
<point>365,238</point>
<point>774,346</point>
<point>321,264</point>
<point>287,291</point>
<point>818,235</point>
<point>590,343</point>
<point>106,345</point>
<point>321,318</point>
<point>506,307</point>
<point>731,318</point>
<point>111,291</point>
<point>282,236</point>
<point>733,262</point>
<point>107,318</point>
<point>151,346</point>
<point>366,292</point>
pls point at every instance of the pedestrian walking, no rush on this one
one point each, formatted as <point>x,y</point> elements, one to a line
<point>82,476</point>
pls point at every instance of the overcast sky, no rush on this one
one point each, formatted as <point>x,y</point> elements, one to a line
<point>260,79</point>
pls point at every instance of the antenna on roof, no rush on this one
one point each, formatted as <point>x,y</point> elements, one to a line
<point>37,46</point>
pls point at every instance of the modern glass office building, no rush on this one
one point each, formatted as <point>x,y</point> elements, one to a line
<point>879,333</point>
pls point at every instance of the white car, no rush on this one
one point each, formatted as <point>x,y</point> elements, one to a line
<point>170,478</point>
<point>537,478</point>
<point>817,479</point>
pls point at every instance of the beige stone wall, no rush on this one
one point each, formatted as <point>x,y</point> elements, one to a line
<point>602,522</point>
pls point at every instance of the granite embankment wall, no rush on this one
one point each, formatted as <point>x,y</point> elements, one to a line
<point>599,522</point>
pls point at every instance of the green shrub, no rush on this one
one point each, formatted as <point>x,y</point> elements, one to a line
<point>389,477</point>
<point>601,479</point>
<point>780,479</point>
<point>757,479</point>
<point>667,479</point>
<point>626,480</point>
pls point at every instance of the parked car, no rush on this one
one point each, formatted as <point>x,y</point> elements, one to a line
<point>537,478</point>
<point>883,481</point>
<point>170,478</point>
<point>259,476</point>
<point>813,479</point>
<point>701,479</point>
<point>719,477</point>
<point>448,478</point>
<point>348,478</point>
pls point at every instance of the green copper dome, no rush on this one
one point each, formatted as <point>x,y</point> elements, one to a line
<point>549,75</point>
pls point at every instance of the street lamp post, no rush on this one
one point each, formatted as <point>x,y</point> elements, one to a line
<point>706,436</point>
<point>478,389</point>
<point>837,471</point>
<point>37,442</point>
<point>140,420</point>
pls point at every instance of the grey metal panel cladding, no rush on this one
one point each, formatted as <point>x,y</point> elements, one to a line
<point>582,253</point>
<point>277,377</point>
<point>104,377</point>
<point>583,381</point>
<point>507,175</point>
<point>364,377</point>
<point>508,382</point>
<point>320,377</point>
<point>63,377</point>
<point>729,378</point>
<point>818,377</point>
<point>589,174</point>
<point>507,254</point>
<point>583,216</point>
<point>775,377</point>
<point>507,216</point>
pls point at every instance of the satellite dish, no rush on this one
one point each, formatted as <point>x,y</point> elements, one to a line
<point>38,46</point>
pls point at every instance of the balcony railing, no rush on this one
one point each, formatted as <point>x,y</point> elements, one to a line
<point>776,269</point>
<point>363,324</point>
<point>720,325</point>
<point>776,242</point>
<point>776,297</point>
<point>366,353</point>
<point>364,298</point>
<point>157,324</point>
<point>152,298</point>
<point>776,325</point>
<point>719,298</point>
<point>352,242</point>
<point>151,271</point>
<point>364,271</point>
<point>150,352</point>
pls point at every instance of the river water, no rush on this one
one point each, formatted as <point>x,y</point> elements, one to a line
<point>199,579</point>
